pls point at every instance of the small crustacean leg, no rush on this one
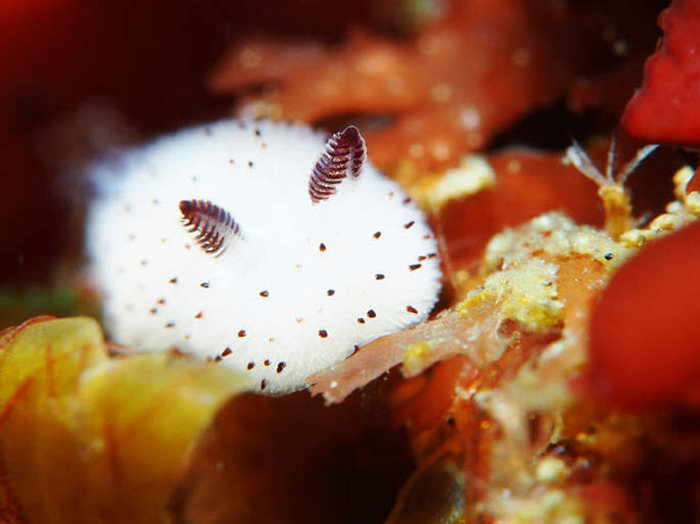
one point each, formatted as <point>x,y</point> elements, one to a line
<point>212,225</point>
<point>611,185</point>
<point>345,154</point>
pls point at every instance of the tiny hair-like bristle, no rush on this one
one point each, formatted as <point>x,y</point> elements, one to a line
<point>345,153</point>
<point>212,225</point>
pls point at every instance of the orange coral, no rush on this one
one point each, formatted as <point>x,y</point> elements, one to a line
<point>495,395</point>
<point>448,89</point>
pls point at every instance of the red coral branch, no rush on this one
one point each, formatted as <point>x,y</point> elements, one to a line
<point>665,108</point>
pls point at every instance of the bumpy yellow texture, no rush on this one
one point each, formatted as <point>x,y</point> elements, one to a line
<point>415,354</point>
<point>527,293</point>
<point>472,175</point>
<point>556,235</point>
<point>678,213</point>
<point>524,285</point>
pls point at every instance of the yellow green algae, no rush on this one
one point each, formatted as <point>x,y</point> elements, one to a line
<point>415,354</point>
<point>556,235</point>
<point>526,293</point>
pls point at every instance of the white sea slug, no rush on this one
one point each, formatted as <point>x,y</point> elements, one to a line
<point>253,244</point>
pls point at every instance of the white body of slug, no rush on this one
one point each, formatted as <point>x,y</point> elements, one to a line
<point>297,285</point>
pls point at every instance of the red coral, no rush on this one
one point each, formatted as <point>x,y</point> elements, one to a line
<point>644,339</point>
<point>665,109</point>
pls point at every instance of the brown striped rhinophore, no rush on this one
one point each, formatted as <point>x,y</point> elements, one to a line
<point>344,155</point>
<point>212,225</point>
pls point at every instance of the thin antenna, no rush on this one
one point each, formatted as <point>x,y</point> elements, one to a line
<point>581,161</point>
<point>610,165</point>
<point>630,166</point>
<point>611,187</point>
